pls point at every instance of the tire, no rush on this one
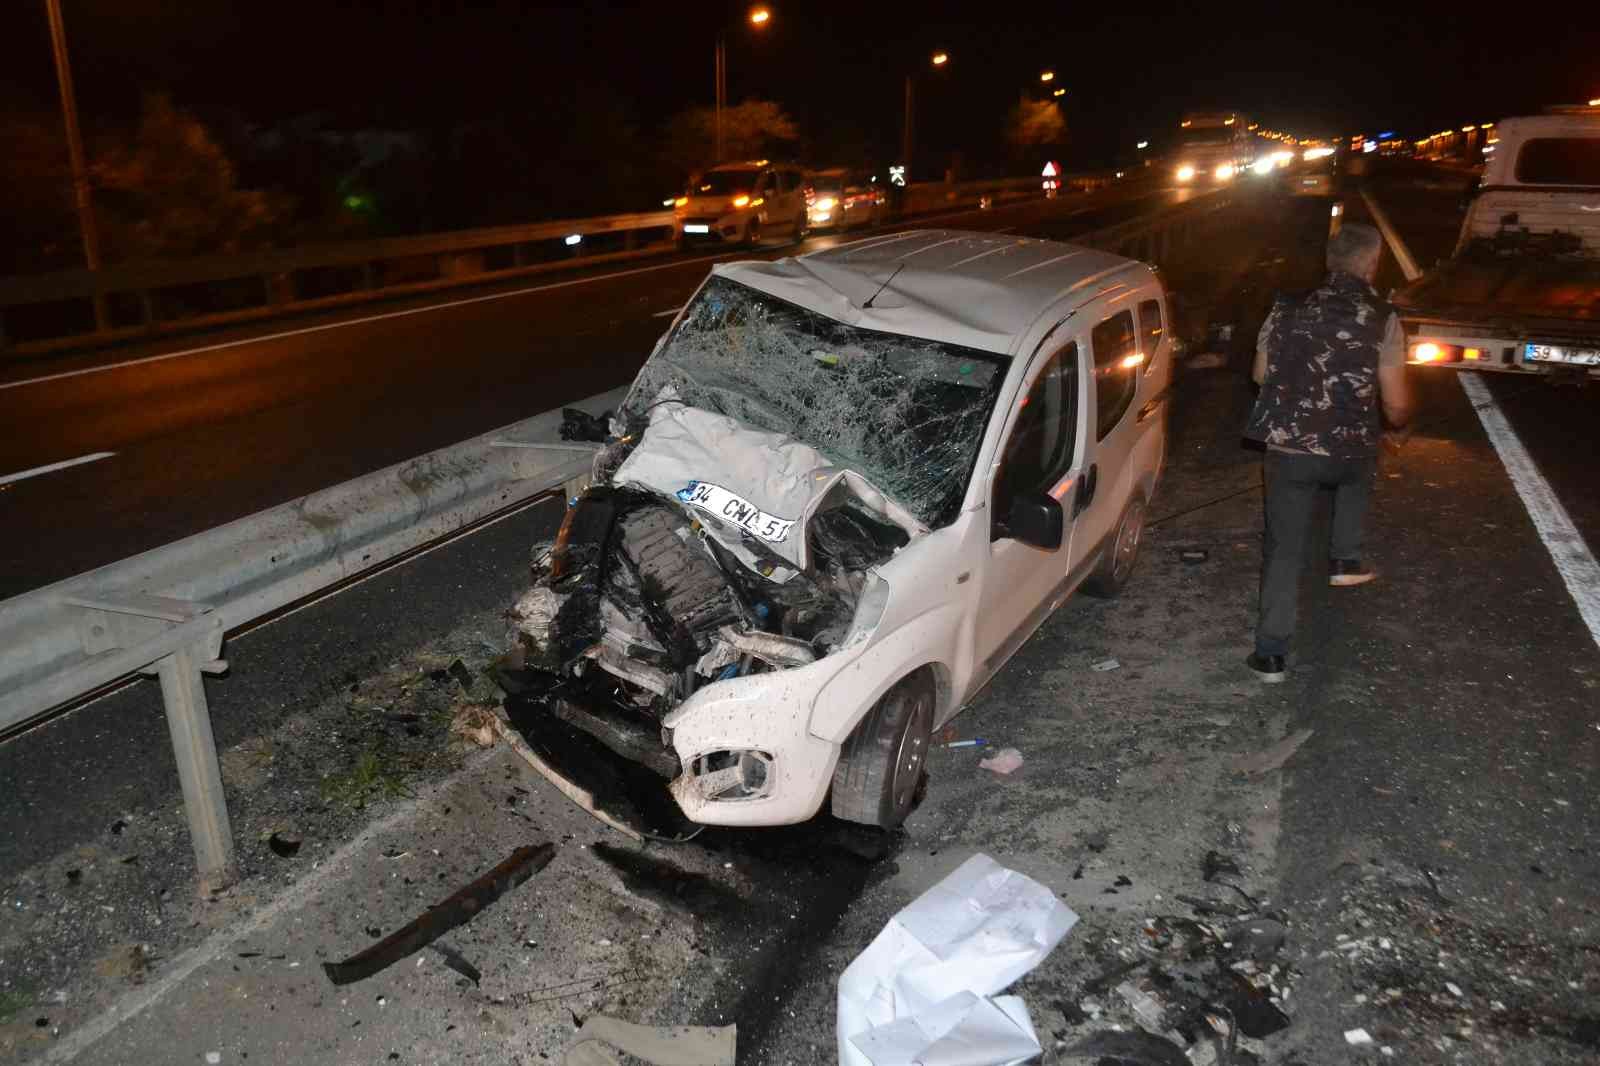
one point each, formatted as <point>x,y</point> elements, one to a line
<point>1114,571</point>
<point>880,773</point>
<point>752,233</point>
<point>801,229</point>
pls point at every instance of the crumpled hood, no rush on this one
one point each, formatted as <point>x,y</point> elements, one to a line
<point>744,482</point>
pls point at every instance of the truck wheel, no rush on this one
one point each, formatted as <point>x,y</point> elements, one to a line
<point>882,766</point>
<point>1112,575</point>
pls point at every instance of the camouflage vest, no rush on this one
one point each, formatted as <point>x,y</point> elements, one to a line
<point>1320,394</point>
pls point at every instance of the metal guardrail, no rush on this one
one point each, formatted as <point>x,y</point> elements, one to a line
<point>168,611</point>
<point>143,299</point>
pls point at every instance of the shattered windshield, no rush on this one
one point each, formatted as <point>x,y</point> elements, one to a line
<point>907,414</point>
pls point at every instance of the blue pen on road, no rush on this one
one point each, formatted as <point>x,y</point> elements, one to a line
<point>977,742</point>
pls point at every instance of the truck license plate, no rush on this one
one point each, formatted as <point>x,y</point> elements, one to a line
<point>1559,353</point>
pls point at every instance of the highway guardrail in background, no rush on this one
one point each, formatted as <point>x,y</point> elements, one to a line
<point>167,611</point>
<point>41,313</point>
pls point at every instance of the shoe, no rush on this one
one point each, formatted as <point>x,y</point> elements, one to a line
<point>1269,668</point>
<point>1345,572</point>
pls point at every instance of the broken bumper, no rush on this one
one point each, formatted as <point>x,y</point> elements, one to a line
<point>746,748</point>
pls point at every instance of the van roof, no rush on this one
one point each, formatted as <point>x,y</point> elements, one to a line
<point>979,290</point>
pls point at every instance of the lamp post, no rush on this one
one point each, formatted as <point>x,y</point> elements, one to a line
<point>908,128</point>
<point>759,17</point>
<point>80,176</point>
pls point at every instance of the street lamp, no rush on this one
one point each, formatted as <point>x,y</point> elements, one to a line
<point>759,17</point>
<point>1048,75</point>
<point>1059,92</point>
<point>938,61</point>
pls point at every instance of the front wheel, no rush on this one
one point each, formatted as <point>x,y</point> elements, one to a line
<point>1112,575</point>
<point>881,769</point>
<point>752,233</point>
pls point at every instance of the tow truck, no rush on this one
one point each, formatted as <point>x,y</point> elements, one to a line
<point>1521,291</point>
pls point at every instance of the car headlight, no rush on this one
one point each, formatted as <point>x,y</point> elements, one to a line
<point>1224,171</point>
<point>1186,173</point>
<point>825,204</point>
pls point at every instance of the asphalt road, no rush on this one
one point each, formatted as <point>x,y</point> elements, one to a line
<point>277,411</point>
<point>1450,709</point>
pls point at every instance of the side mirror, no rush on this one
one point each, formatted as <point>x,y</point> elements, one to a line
<point>1035,519</point>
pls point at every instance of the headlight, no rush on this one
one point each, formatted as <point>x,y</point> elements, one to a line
<point>741,201</point>
<point>1224,172</point>
<point>1186,173</point>
<point>825,204</point>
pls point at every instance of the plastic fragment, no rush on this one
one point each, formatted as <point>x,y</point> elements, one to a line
<point>1104,665</point>
<point>1357,1037</point>
<point>1006,761</point>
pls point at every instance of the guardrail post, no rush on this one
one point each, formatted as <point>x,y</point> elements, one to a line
<point>189,722</point>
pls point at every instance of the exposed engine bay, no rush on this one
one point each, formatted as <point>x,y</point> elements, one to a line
<point>646,596</point>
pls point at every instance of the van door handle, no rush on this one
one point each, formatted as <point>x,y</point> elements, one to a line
<point>1086,489</point>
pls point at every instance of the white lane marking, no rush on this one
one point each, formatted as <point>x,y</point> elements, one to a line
<point>1574,561</point>
<point>296,898</point>
<point>668,311</point>
<point>52,467</point>
<point>899,227</point>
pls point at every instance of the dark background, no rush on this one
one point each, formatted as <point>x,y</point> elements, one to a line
<point>574,98</point>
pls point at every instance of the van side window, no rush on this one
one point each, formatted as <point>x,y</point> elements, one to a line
<point>1039,450</point>
<point>1116,370</point>
<point>1150,331</point>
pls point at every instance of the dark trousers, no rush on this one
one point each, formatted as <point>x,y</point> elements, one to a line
<point>1292,481</point>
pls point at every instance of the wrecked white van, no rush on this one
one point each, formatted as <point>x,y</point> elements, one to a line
<point>843,490</point>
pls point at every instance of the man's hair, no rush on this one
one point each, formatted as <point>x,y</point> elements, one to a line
<point>1355,249</point>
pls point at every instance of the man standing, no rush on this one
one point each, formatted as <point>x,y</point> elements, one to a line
<point>1324,361</point>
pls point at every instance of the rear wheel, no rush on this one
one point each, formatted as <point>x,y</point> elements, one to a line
<point>881,769</point>
<point>1112,575</point>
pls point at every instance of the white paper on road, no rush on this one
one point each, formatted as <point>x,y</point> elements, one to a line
<point>920,994</point>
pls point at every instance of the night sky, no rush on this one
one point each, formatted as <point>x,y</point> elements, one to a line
<point>1310,68</point>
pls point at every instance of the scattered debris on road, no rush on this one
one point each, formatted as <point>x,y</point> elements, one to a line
<point>1274,757</point>
<point>679,1045</point>
<point>1005,761</point>
<point>1104,665</point>
<point>930,981</point>
<point>460,908</point>
<point>578,424</point>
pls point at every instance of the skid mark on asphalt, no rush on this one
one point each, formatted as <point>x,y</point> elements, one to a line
<point>1574,561</point>
<point>51,468</point>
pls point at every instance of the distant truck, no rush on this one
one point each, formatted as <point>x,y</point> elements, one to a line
<point>1213,146</point>
<point>1521,292</point>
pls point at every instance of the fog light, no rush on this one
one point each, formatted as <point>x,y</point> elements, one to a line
<point>731,776</point>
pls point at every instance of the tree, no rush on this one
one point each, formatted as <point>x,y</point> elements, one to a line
<point>1033,123</point>
<point>751,130</point>
<point>166,189</point>
<point>36,213</point>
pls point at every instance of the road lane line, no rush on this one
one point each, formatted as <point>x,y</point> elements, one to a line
<point>1574,561</point>
<point>52,467</point>
<point>668,311</point>
<point>284,334</point>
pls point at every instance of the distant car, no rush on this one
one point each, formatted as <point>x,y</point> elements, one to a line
<point>843,199</point>
<point>842,492</point>
<point>743,203</point>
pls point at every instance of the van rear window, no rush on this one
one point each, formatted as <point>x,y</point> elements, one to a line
<point>1560,161</point>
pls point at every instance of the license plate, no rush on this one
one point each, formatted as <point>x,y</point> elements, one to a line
<point>695,227</point>
<point>1558,353</point>
<point>716,500</point>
